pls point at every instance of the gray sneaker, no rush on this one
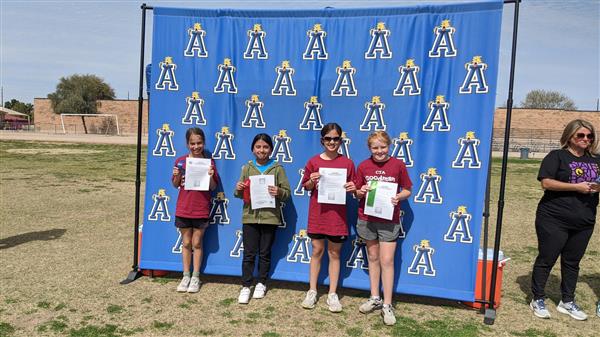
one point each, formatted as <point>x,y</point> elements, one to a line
<point>194,286</point>
<point>334,303</point>
<point>571,309</point>
<point>539,308</point>
<point>184,284</point>
<point>371,304</point>
<point>310,300</point>
<point>387,312</point>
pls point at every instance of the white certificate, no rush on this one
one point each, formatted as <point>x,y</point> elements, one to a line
<point>331,186</point>
<point>196,174</point>
<point>378,201</point>
<point>259,191</point>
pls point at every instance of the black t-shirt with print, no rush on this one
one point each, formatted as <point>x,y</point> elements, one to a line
<point>574,208</point>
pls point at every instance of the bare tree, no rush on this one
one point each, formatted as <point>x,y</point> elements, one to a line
<point>547,99</point>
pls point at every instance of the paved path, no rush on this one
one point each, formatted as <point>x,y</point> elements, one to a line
<point>70,138</point>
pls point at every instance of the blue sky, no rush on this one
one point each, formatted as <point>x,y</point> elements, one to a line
<point>42,41</point>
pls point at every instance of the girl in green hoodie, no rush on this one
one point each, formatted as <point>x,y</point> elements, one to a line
<point>259,225</point>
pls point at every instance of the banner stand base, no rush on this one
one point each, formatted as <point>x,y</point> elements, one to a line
<point>490,316</point>
<point>132,276</point>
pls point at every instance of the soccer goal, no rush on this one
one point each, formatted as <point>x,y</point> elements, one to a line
<point>115,118</point>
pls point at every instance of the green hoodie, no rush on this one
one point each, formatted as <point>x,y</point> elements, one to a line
<point>271,216</point>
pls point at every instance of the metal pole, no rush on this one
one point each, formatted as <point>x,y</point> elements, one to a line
<point>135,272</point>
<point>486,221</point>
<point>490,312</point>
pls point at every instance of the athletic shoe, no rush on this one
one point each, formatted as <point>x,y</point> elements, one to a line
<point>387,312</point>
<point>539,308</point>
<point>310,300</point>
<point>571,309</point>
<point>194,285</point>
<point>371,304</point>
<point>259,291</point>
<point>244,297</point>
<point>334,303</point>
<point>184,284</point>
<point>598,309</point>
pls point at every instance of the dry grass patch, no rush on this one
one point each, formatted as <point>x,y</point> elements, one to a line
<point>66,242</point>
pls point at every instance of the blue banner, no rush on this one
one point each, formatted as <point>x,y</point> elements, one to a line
<point>426,74</point>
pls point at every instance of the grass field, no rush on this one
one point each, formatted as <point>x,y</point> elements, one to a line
<point>66,215</point>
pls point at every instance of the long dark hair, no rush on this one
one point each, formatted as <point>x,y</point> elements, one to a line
<point>264,137</point>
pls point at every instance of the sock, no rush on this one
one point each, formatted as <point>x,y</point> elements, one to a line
<point>186,273</point>
<point>196,274</point>
<point>376,298</point>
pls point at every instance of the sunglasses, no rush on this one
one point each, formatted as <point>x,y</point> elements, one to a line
<point>589,136</point>
<point>332,139</point>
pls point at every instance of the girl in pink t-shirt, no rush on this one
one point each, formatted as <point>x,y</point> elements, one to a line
<point>192,213</point>
<point>326,222</point>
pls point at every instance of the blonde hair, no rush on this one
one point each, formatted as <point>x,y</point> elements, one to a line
<point>572,128</point>
<point>381,135</point>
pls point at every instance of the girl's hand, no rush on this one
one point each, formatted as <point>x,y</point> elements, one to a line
<point>314,177</point>
<point>364,189</point>
<point>350,187</point>
<point>176,171</point>
<point>273,190</point>
<point>396,199</point>
<point>211,171</point>
<point>240,186</point>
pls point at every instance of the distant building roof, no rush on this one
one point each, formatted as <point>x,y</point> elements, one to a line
<point>12,112</point>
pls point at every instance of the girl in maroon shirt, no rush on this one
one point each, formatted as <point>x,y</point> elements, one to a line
<point>381,234</point>
<point>192,212</point>
<point>326,222</point>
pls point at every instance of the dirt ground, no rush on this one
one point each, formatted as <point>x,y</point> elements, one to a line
<point>66,241</point>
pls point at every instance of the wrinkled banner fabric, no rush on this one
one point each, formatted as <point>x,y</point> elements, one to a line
<point>425,74</point>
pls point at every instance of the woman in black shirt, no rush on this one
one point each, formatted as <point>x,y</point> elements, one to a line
<point>566,214</point>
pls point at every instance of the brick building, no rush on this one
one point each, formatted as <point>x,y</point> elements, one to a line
<point>125,110</point>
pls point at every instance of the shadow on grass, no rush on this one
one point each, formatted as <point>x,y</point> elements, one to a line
<point>12,241</point>
<point>552,287</point>
<point>173,277</point>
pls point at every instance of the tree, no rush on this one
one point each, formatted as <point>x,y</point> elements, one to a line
<point>547,99</point>
<point>78,94</point>
<point>16,105</point>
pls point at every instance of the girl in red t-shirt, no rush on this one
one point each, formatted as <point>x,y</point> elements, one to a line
<point>381,234</point>
<point>192,212</point>
<point>326,222</point>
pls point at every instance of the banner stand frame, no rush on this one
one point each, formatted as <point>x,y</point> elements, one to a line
<point>490,312</point>
<point>135,272</point>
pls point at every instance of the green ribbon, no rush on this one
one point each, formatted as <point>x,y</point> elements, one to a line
<point>371,193</point>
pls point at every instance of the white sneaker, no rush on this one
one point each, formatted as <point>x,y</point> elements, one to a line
<point>387,312</point>
<point>310,300</point>
<point>244,297</point>
<point>334,303</point>
<point>194,285</point>
<point>571,309</point>
<point>259,290</point>
<point>184,284</point>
